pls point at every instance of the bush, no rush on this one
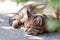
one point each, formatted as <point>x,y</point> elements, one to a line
<point>52,25</point>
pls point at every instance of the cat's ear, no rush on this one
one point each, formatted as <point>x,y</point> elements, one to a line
<point>38,20</point>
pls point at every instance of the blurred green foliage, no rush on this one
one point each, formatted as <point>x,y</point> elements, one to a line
<point>53,3</point>
<point>52,25</point>
<point>18,1</point>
